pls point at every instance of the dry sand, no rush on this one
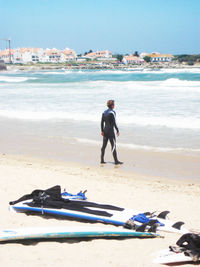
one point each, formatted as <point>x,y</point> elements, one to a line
<point>21,175</point>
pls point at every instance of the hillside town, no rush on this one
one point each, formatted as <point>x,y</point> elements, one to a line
<point>54,55</point>
<point>68,58</point>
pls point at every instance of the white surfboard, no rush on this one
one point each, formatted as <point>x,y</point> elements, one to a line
<point>69,232</point>
<point>169,257</point>
<point>117,217</point>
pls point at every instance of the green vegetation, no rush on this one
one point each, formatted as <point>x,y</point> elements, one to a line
<point>119,57</point>
<point>189,59</point>
<point>136,54</point>
<point>90,51</point>
<point>147,59</point>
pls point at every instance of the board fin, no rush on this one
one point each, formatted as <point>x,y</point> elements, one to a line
<point>152,222</point>
<point>153,228</point>
<point>142,227</point>
<point>163,214</point>
<point>178,225</point>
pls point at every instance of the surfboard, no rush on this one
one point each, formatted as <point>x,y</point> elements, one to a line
<point>115,217</point>
<point>169,257</point>
<point>69,232</point>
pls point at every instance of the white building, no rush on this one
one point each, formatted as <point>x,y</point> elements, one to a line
<point>99,55</point>
<point>7,55</point>
<point>68,55</point>
<point>52,55</point>
<point>27,55</point>
<point>131,59</point>
<point>157,57</point>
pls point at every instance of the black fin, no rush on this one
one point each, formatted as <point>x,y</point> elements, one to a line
<point>163,214</point>
<point>152,222</point>
<point>178,225</point>
<point>142,227</point>
<point>153,228</point>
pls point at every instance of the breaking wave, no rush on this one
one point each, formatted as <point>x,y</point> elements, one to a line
<point>175,122</point>
<point>9,79</point>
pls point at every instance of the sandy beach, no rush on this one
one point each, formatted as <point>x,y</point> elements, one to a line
<point>50,135</point>
<point>21,175</point>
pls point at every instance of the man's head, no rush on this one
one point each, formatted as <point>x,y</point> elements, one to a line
<point>110,103</point>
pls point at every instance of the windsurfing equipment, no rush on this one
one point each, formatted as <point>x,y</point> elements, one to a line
<point>51,202</point>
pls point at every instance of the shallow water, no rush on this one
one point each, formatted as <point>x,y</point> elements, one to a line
<point>156,110</point>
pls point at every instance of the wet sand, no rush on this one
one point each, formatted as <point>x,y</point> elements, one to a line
<point>32,139</point>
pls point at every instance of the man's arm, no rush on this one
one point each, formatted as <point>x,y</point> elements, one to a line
<point>114,122</point>
<point>102,125</point>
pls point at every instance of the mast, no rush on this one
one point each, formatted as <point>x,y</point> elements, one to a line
<point>9,48</point>
<point>10,61</point>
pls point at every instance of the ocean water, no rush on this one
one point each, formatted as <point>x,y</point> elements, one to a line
<point>157,110</point>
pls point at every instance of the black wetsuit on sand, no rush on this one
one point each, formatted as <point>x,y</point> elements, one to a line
<point>190,242</point>
<point>108,124</point>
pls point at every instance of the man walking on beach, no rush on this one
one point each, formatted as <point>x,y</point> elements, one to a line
<point>108,123</point>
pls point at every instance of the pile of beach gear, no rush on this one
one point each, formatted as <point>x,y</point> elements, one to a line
<point>117,222</point>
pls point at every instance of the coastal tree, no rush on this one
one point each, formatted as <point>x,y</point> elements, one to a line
<point>90,51</point>
<point>190,59</point>
<point>136,54</point>
<point>147,59</point>
<point>119,57</point>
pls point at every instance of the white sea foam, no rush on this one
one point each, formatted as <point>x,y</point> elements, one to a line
<point>47,115</point>
<point>56,72</point>
<point>179,122</point>
<point>171,86</point>
<point>143,70</point>
<point>171,103</point>
<point>174,82</point>
<point>144,106</point>
<point>170,71</point>
<point>183,70</point>
<point>167,82</point>
<point>10,79</point>
<point>138,147</point>
<point>124,72</point>
<point>176,122</point>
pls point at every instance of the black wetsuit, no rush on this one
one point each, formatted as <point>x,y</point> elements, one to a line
<point>108,124</point>
<point>191,242</point>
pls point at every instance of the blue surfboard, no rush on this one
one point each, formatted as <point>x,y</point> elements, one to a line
<point>69,232</point>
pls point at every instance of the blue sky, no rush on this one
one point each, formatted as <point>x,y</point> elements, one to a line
<point>122,26</point>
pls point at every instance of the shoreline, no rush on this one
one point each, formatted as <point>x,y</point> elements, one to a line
<point>32,139</point>
<point>95,66</point>
<point>21,175</point>
<point>120,173</point>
